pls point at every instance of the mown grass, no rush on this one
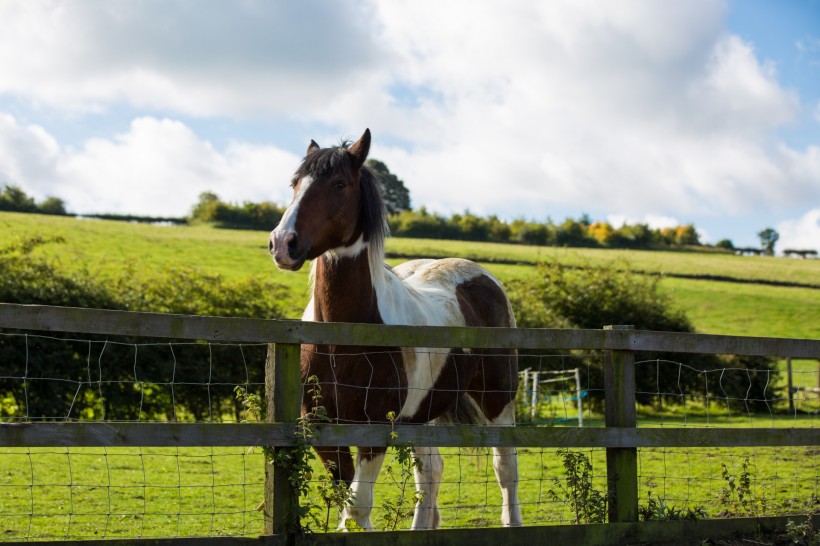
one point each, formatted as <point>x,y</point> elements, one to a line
<point>747,309</point>
<point>694,264</point>
<point>151,492</point>
<point>94,493</point>
<point>107,249</point>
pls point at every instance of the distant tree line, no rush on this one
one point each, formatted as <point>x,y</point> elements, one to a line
<point>581,232</point>
<point>423,224</point>
<point>14,199</point>
<point>212,210</point>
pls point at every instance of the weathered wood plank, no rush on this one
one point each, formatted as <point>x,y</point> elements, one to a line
<point>244,330</point>
<point>620,412</point>
<point>283,393</point>
<point>652,532</point>
<point>648,532</point>
<point>113,434</point>
<point>88,434</point>
<point>193,541</point>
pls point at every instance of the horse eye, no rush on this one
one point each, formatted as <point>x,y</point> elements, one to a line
<point>339,184</point>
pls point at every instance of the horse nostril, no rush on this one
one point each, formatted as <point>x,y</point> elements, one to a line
<point>270,245</point>
<point>293,242</point>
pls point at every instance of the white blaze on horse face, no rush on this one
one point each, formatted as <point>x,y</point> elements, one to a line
<point>287,225</point>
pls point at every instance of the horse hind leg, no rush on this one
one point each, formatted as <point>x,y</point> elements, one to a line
<point>428,478</point>
<point>337,461</point>
<point>505,465</point>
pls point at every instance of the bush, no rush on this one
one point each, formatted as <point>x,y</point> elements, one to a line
<point>561,296</point>
<point>196,378</point>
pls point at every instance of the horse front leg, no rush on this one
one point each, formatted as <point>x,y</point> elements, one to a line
<point>428,478</point>
<point>368,465</point>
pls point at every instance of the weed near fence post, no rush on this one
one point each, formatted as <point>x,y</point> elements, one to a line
<point>283,394</point>
<point>621,463</point>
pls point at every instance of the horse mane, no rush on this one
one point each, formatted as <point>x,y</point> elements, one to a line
<point>373,210</point>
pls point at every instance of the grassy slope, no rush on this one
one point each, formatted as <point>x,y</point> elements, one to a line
<point>133,492</point>
<point>106,248</point>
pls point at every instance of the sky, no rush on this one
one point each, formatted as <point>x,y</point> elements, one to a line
<point>668,113</point>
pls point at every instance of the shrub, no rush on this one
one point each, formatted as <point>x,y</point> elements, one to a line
<point>561,296</point>
<point>134,382</point>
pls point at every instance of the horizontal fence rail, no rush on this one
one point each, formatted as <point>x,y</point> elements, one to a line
<point>282,434</point>
<point>96,321</point>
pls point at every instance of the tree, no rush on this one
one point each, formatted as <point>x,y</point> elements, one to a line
<point>15,199</point>
<point>686,235</point>
<point>768,238</point>
<point>52,205</point>
<point>395,194</point>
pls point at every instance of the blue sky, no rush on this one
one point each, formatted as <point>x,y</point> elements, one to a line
<point>704,112</point>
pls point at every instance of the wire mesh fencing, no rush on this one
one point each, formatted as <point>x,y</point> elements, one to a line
<point>108,492</point>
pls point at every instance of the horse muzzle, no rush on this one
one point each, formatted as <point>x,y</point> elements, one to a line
<point>285,248</point>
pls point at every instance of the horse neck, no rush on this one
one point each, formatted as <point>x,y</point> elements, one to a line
<point>343,290</point>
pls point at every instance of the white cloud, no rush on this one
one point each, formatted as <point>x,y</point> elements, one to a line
<point>158,167</point>
<point>800,233</point>
<point>517,109</point>
<point>629,107</point>
<point>204,58</point>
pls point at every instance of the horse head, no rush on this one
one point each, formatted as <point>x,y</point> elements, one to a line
<point>326,211</point>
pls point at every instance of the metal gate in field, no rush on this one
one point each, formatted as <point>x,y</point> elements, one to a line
<point>619,438</point>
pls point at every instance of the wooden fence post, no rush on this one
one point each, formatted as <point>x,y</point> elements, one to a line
<point>621,463</point>
<point>283,396</point>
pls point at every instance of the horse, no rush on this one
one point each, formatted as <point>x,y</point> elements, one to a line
<point>337,220</point>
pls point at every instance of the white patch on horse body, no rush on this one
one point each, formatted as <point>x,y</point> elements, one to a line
<point>423,293</point>
<point>350,251</point>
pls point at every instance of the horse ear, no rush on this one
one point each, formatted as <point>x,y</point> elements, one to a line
<point>358,151</point>
<point>312,147</point>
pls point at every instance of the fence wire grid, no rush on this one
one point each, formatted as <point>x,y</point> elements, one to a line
<point>73,492</point>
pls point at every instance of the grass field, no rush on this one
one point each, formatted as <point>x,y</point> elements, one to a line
<point>106,249</point>
<point>96,493</point>
<point>150,492</point>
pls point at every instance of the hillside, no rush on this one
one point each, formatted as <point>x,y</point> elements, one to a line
<point>721,293</point>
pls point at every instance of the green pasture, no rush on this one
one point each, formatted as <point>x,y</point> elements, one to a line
<point>129,492</point>
<point>108,249</point>
<point>154,492</point>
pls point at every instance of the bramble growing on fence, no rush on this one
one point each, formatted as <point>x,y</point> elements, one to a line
<point>588,505</point>
<point>402,508</point>
<point>737,497</point>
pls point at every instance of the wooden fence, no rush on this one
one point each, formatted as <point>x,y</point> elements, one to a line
<point>620,438</point>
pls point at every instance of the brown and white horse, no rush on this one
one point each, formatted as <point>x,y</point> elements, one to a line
<point>337,219</point>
